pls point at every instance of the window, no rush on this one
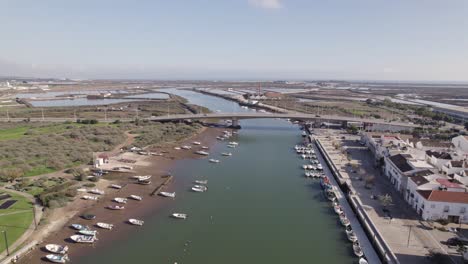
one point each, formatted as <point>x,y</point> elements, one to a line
<point>422,206</point>
<point>462,210</point>
<point>446,208</point>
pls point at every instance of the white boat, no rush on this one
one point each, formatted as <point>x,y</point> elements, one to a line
<point>304,167</point>
<point>196,143</point>
<point>144,182</point>
<point>57,258</point>
<point>82,190</point>
<point>195,189</point>
<point>357,249</point>
<point>136,197</point>
<point>177,148</point>
<point>219,138</point>
<point>201,182</point>
<point>115,207</point>
<point>120,200</point>
<point>231,146</point>
<point>83,239</point>
<point>96,191</point>
<point>79,227</point>
<point>142,178</point>
<point>168,194</point>
<point>213,160</point>
<point>136,222</point>
<point>344,221</point>
<point>205,147</point>
<point>310,167</point>
<point>57,249</point>
<point>201,187</point>
<point>186,147</point>
<point>201,152</point>
<point>338,209</point>
<point>88,232</point>
<point>105,225</point>
<point>116,186</point>
<point>226,154</point>
<point>90,197</point>
<point>319,167</point>
<point>362,260</point>
<point>180,216</point>
<point>351,236</point>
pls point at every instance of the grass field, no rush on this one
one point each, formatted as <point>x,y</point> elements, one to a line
<point>13,133</point>
<point>15,220</point>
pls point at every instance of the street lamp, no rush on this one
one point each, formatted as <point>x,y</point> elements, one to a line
<point>6,242</point>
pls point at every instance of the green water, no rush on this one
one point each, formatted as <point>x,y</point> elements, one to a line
<point>258,209</point>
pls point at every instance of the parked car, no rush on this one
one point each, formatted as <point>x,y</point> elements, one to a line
<point>457,241</point>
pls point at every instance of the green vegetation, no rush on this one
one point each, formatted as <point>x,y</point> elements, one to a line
<point>12,133</point>
<point>158,133</point>
<point>15,220</point>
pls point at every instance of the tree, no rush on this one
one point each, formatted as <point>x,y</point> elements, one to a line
<point>11,174</point>
<point>385,200</point>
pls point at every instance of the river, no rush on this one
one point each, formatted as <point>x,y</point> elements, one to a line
<point>258,209</point>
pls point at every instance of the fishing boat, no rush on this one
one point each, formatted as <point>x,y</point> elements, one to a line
<point>304,167</point>
<point>57,258</point>
<point>357,249</point>
<point>310,167</point>
<point>319,167</point>
<point>136,197</point>
<point>79,227</point>
<point>168,194</point>
<point>351,236</point>
<point>304,134</point>
<point>205,147</point>
<point>142,178</point>
<point>363,260</point>
<point>338,209</point>
<point>307,174</point>
<point>116,186</point>
<point>231,146</point>
<point>115,207</point>
<point>105,225</point>
<point>179,216</point>
<point>196,143</point>
<point>177,148</point>
<point>88,232</point>
<point>57,249</point>
<point>83,238</point>
<point>144,182</point>
<point>96,191</point>
<point>136,222</point>
<point>120,200</point>
<point>201,182</point>
<point>90,197</point>
<point>213,160</point>
<point>201,152</point>
<point>344,220</point>
<point>201,187</point>
<point>226,154</point>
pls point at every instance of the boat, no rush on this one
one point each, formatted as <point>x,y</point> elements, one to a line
<point>219,138</point>
<point>120,200</point>
<point>201,182</point>
<point>233,143</point>
<point>57,258</point>
<point>136,197</point>
<point>167,194</point>
<point>213,160</point>
<point>136,222</point>
<point>116,186</point>
<point>83,238</point>
<point>304,134</point>
<point>205,147</point>
<point>179,216</point>
<point>338,209</point>
<point>201,152</point>
<point>344,221</point>
<point>186,147</point>
<point>231,146</point>
<point>177,148</point>
<point>226,154</point>
<point>105,225</point>
<point>196,143</point>
<point>351,236</point>
<point>304,167</point>
<point>115,207</point>
<point>195,189</point>
<point>201,187</point>
<point>88,216</point>
<point>357,249</point>
<point>88,232</point>
<point>319,167</point>
<point>57,249</point>
<point>307,174</point>
<point>96,191</point>
<point>142,178</point>
<point>79,227</point>
<point>144,182</point>
<point>90,197</point>
<point>362,260</point>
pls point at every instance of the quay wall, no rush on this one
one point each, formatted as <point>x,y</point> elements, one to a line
<point>380,245</point>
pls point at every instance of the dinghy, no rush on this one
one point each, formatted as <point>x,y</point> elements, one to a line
<point>196,143</point>
<point>116,186</point>
<point>201,152</point>
<point>96,191</point>
<point>105,225</point>
<point>351,235</point>
<point>227,154</point>
<point>195,189</point>
<point>120,200</point>
<point>344,221</point>
<point>115,207</point>
<point>57,258</point>
<point>136,222</point>
<point>142,178</point>
<point>205,147</point>
<point>201,182</point>
<point>57,249</point>
<point>179,216</point>
<point>362,260</point>
<point>83,239</point>
<point>213,160</point>
<point>79,227</point>
<point>168,194</point>
<point>136,197</point>
<point>144,182</point>
<point>90,197</point>
<point>357,249</point>
<point>88,232</point>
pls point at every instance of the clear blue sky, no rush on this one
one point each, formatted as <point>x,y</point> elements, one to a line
<point>236,39</point>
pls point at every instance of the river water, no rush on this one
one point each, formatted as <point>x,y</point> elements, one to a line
<point>258,209</point>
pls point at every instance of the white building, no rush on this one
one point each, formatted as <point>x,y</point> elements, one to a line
<point>461,142</point>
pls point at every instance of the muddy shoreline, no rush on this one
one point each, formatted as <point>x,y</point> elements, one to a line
<point>150,205</point>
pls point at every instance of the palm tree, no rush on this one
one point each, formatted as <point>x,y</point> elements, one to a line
<point>385,200</point>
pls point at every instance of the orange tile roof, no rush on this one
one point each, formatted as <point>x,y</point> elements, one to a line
<point>445,196</point>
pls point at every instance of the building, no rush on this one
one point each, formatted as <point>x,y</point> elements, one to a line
<point>440,204</point>
<point>461,142</point>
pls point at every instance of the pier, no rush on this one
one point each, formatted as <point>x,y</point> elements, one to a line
<point>161,186</point>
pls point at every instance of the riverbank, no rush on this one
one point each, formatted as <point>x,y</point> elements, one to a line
<point>58,230</point>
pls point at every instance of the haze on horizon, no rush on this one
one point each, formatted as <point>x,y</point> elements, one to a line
<point>244,39</point>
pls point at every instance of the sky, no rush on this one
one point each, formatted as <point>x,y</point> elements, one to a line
<point>235,39</point>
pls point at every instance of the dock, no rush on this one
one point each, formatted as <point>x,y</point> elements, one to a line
<point>162,185</point>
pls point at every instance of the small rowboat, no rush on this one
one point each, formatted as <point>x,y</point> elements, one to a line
<point>90,197</point>
<point>205,147</point>
<point>179,216</point>
<point>357,249</point>
<point>105,226</point>
<point>120,200</point>
<point>196,143</point>
<point>201,182</point>
<point>83,239</point>
<point>115,207</point>
<point>362,260</point>
<point>144,182</point>
<point>227,154</point>
<point>136,222</point>
<point>344,221</point>
<point>96,191</point>
<point>57,258</point>
<point>168,194</point>
<point>79,227</point>
<point>142,178</point>
<point>116,186</point>
<point>88,232</point>
<point>57,249</point>
<point>88,216</point>
<point>213,160</point>
<point>136,197</point>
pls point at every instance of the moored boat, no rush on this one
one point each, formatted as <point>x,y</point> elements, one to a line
<point>79,227</point>
<point>168,194</point>
<point>90,197</point>
<point>116,186</point>
<point>120,200</point>
<point>196,143</point>
<point>136,197</point>
<point>96,191</point>
<point>227,154</point>
<point>136,222</point>
<point>344,220</point>
<point>115,207</point>
<point>105,225</point>
<point>57,258</point>
<point>179,215</point>
<point>201,182</point>
<point>195,189</point>
<point>357,249</point>
<point>144,182</point>
<point>362,260</point>
<point>142,178</point>
<point>213,160</point>
<point>83,239</point>
<point>205,147</point>
<point>88,232</point>
<point>201,152</point>
<point>351,236</point>
<point>57,249</point>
